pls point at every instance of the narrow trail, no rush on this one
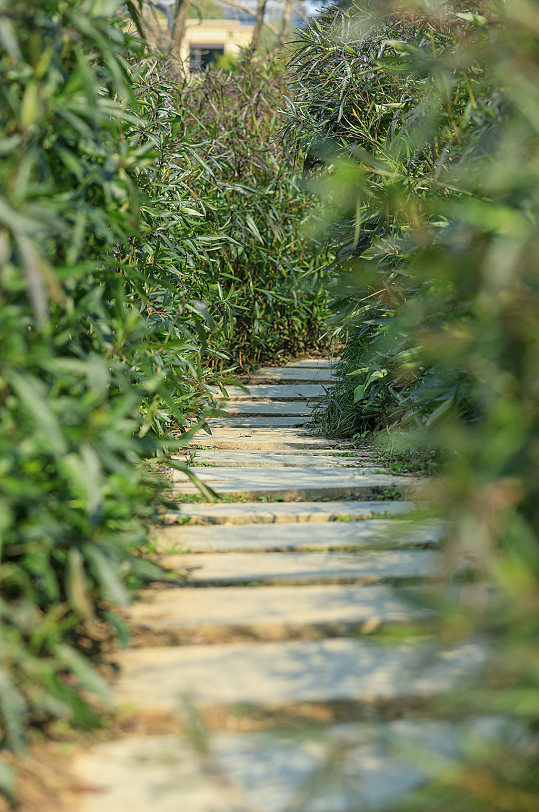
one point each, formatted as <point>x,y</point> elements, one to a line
<point>263,686</point>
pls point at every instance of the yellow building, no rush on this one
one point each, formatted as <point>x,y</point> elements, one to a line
<point>206,39</point>
<point>203,40</point>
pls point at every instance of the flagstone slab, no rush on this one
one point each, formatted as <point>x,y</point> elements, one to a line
<point>377,533</point>
<point>368,567</point>
<point>276,512</point>
<point>353,767</point>
<point>339,768</point>
<point>299,476</point>
<point>291,484</point>
<point>266,408</point>
<point>272,610</point>
<point>273,674</point>
<point>157,773</point>
<point>313,363</point>
<point>271,459</point>
<point>264,439</point>
<point>293,391</point>
<point>259,422</point>
<point>296,374</point>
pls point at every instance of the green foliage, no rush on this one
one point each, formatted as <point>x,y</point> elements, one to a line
<point>263,275</point>
<point>71,497</point>
<point>227,62</point>
<point>384,93</point>
<point>143,235</point>
<point>205,10</point>
<point>422,135</point>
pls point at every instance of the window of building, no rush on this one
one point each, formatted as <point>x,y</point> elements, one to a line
<point>200,56</point>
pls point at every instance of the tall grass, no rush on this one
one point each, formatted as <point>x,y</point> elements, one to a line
<point>263,277</point>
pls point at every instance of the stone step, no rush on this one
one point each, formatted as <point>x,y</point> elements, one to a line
<point>296,374</point>
<point>293,391</point>
<point>300,476</point>
<point>276,512</point>
<point>337,768</point>
<point>377,533</point>
<point>359,671</point>
<point>157,773</point>
<point>290,484</point>
<point>266,408</point>
<point>186,614</point>
<point>313,363</point>
<point>367,567</point>
<point>351,767</point>
<point>271,422</point>
<point>326,458</point>
<point>263,439</point>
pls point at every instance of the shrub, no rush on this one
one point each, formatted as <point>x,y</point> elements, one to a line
<point>427,118</point>
<point>72,499</point>
<point>128,270</point>
<point>369,101</point>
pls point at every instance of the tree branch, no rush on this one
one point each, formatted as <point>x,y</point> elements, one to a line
<point>241,7</point>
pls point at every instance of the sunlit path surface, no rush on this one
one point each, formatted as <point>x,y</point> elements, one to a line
<point>263,684</point>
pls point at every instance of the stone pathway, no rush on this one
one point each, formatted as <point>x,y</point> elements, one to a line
<point>266,673</point>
